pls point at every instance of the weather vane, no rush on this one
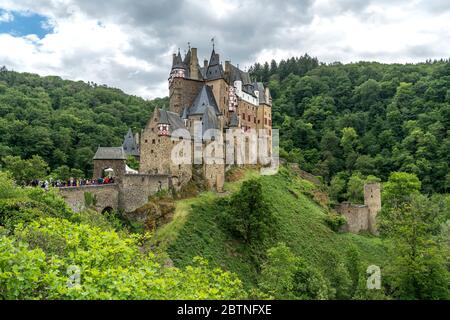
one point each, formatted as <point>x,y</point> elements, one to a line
<point>213,42</point>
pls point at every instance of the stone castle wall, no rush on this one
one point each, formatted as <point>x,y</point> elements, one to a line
<point>135,189</point>
<point>362,217</point>
<point>357,216</point>
<point>156,156</point>
<point>183,93</point>
<point>107,196</point>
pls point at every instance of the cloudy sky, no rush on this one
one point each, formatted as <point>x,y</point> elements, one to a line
<point>128,44</point>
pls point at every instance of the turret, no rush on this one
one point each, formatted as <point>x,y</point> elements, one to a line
<point>215,69</point>
<point>372,199</point>
<point>178,68</point>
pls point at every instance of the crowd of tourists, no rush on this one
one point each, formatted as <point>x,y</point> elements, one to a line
<point>72,182</point>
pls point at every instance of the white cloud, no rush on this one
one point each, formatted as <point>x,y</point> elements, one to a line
<point>6,17</point>
<point>129,45</point>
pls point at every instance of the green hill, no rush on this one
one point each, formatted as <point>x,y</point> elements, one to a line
<point>196,230</point>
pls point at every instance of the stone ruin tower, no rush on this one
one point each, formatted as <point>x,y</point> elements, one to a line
<point>372,199</point>
<point>362,217</point>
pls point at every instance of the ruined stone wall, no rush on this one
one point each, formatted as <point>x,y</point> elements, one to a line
<point>107,196</point>
<point>372,198</point>
<point>357,216</point>
<point>135,189</point>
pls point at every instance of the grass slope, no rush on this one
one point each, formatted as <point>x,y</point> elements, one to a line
<point>196,231</point>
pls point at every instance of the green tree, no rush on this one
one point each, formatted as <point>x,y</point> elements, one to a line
<point>338,186</point>
<point>412,222</point>
<point>25,171</point>
<point>249,215</point>
<point>355,188</point>
<point>277,273</point>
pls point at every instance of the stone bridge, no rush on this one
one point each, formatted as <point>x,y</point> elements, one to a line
<point>131,191</point>
<point>107,196</point>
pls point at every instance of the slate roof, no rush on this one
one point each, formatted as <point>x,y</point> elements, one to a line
<point>129,144</point>
<point>178,62</point>
<point>210,120</point>
<point>235,74</point>
<point>185,114</point>
<point>204,99</point>
<point>262,94</point>
<point>215,69</point>
<point>110,153</point>
<point>171,118</point>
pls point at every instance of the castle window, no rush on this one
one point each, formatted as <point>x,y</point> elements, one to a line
<point>153,141</point>
<point>249,119</point>
<point>243,116</point>
<point>146,140</point>
<point>151,151</point>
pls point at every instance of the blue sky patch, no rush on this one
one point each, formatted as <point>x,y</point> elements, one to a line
<point>20,24</point>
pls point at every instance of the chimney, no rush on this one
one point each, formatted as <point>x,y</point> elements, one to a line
<point>194,70</point>
<point>205,64</point>
<point>227,66</point>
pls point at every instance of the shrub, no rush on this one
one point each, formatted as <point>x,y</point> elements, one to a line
<point>335,221</point>
<point>36,260</point>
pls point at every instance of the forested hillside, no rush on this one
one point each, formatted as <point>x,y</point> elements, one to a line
<point>266,236</point>
<point>65,121</point>
<point>340,122</point>
<point>359,119</point>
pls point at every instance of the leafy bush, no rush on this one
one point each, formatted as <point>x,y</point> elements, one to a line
<point>335,221</point>
<point>285,276</point>
<point>35,264</point>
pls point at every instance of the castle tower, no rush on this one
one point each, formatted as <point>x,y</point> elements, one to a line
<point>372,199</point>
<point>177,74</point>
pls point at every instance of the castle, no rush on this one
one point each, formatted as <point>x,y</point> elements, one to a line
<point>209,106</point>
<point>218,98</point>
<point>215,114</point>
